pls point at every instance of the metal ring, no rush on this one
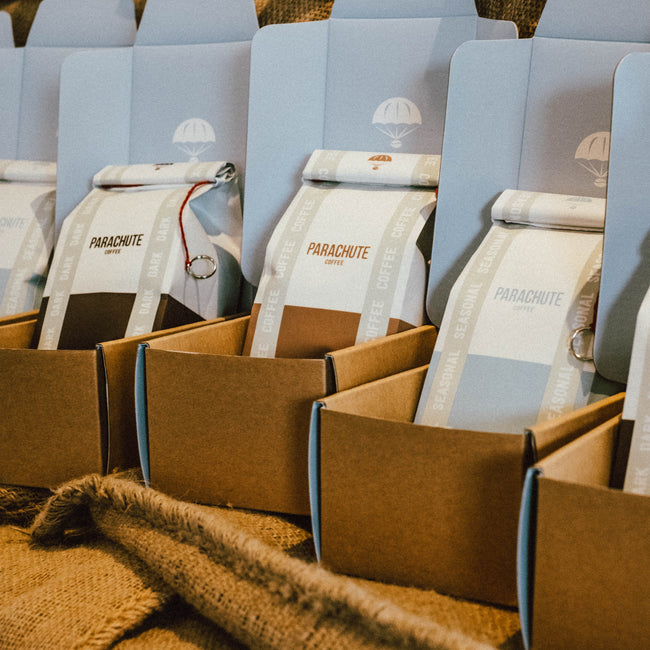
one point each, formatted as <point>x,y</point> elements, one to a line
<point>188,267</point>
<point>572,339</point>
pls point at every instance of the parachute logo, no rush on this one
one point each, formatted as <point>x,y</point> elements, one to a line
<point>379,160</point>
<point>193,137</point>
<point>593,155</point>
<point>397,117</point>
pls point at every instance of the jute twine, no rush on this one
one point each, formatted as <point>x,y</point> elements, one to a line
<point>19,505</point>
<point>254,591</point>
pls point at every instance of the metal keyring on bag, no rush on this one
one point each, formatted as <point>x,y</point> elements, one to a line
<point>572,339</point>
<point>188,267</point>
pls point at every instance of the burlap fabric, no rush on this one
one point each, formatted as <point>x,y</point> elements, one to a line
<point>109,563</point>
<point>525,13</point>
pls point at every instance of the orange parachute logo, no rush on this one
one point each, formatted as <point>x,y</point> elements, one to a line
<point>378,160</point>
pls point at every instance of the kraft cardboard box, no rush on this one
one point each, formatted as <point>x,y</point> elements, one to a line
<point>216,427</point>
<point>39,433</point>
<point>431,507</point>
<point>583,551</point>
<point>65,413</point>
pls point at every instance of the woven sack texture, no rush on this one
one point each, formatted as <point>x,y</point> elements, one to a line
<point>120,562</point>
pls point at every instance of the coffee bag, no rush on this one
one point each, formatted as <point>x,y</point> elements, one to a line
<point>343,265</point>
<point>514,346</point>
<point>150,247</point>
<point>27,200</point>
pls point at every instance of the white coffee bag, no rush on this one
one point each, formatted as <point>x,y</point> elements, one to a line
<point>633,454</point>
<point>27,201</point>
<point>343,265</point>
<point>150,247</point>
<point>514,343</point>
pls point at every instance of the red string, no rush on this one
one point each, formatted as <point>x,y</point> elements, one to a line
<point>188,261</point>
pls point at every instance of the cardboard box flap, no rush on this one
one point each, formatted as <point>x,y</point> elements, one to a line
<point>6,30</point>
<point>44,439</point>
<point>167,22</point>
<point>587,459</point>
<point>319,85</point>
<point>555,433</point>
<point>626,272</point>
<point>29,76</point>
<point>203,337</point>
<point>596,20</point>
<point>141,423</point>
<point>17,318</point>
<point>176,95</point>
<point>17,334</point>
<point>218,336</point>
<point>381,357</point>
<point>391,398</point>
<point>180,335</point>
<point>116,366</point>
<point>532,114</point>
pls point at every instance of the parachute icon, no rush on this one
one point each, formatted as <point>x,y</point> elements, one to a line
<point>593,154</point>
<point>397,117</point>
<point>378,160</point>
<point>193,137</point>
